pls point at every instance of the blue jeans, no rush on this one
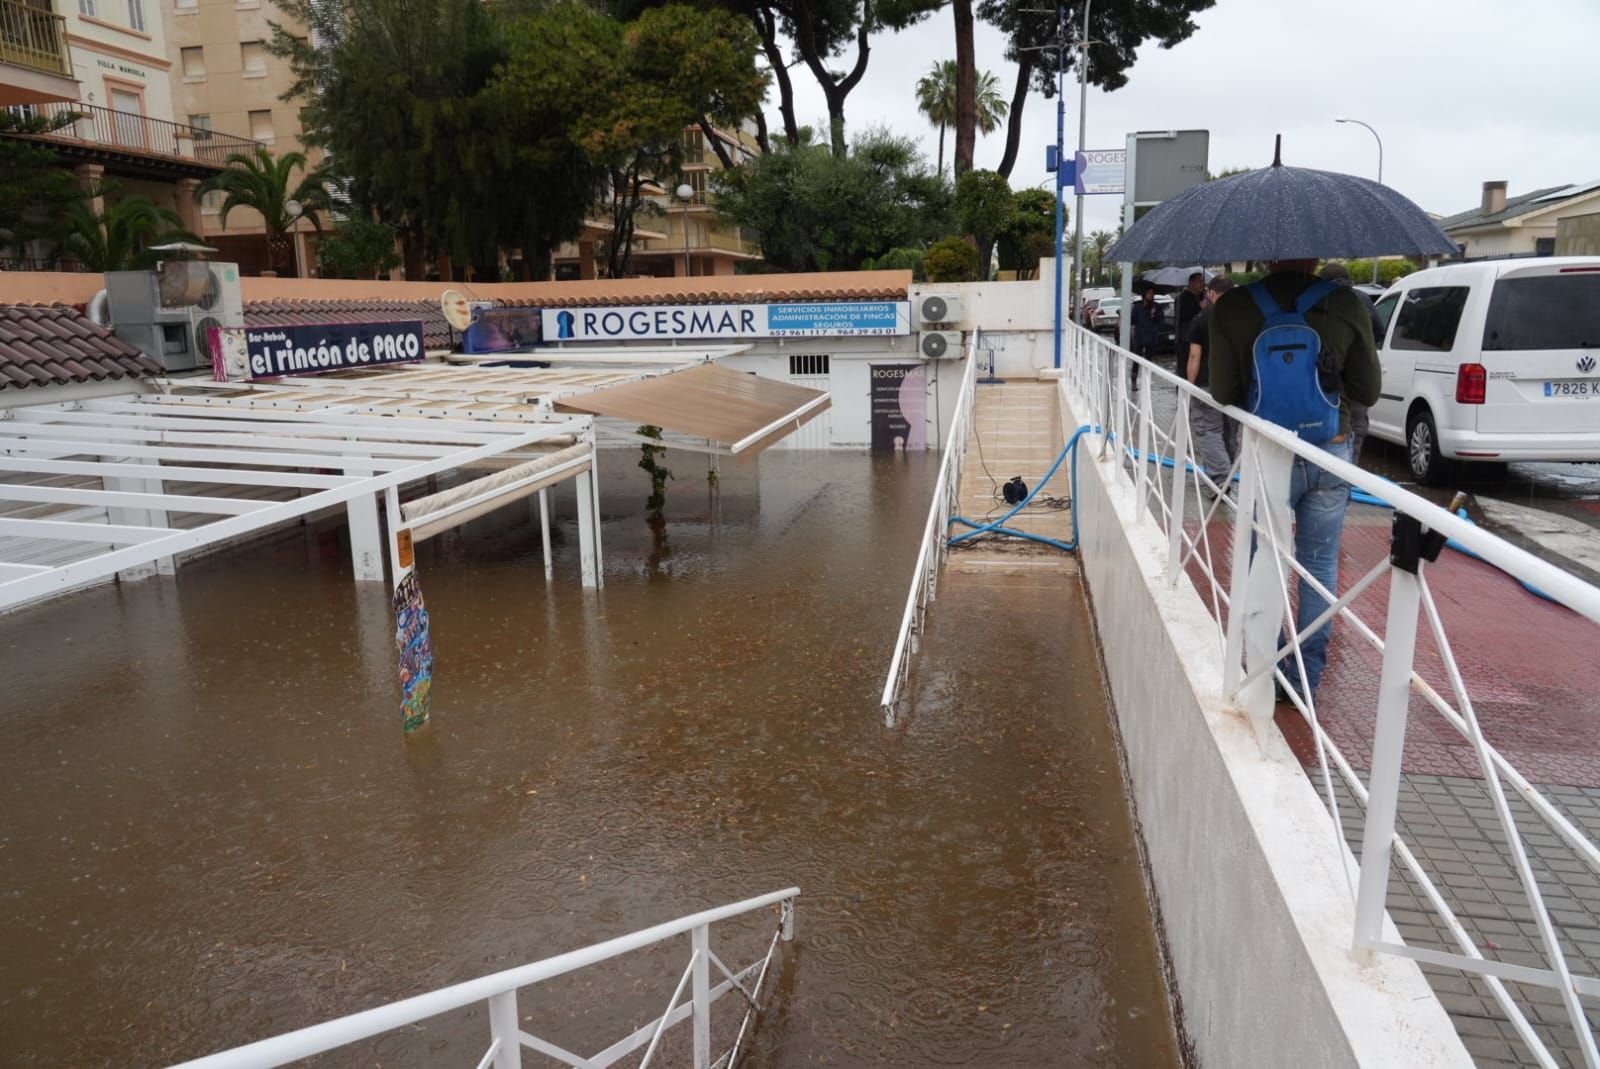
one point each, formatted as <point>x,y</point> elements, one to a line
<point>1318,500</point>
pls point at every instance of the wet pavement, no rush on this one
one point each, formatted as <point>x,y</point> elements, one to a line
<point>1535,684</point>
<point>215,830</point>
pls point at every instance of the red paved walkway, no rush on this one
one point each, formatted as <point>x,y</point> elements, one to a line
<point>1531,668</point>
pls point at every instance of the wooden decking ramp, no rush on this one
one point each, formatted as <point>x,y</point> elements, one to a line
<point>1016,430</point>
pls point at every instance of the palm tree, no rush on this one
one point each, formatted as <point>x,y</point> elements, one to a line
<point>262,182</point>
<point>936,98</point>
<point>1099,242</point>
<point>117,238</point>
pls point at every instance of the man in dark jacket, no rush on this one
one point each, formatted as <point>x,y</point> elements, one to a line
<point>1145,321</point>
<point>1216,436</point>
<point>1316,496</point>
<point>1190,300</point>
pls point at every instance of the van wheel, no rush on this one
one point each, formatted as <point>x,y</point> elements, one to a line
<point>1422,447</point>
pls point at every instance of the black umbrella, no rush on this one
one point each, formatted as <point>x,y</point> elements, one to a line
<point>1282,213</point>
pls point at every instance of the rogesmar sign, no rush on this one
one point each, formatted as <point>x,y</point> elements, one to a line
<point>665,322</point>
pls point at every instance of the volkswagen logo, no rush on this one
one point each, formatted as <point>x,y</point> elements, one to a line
<point>1586,363</point>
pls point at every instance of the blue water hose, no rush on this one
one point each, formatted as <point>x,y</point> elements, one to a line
<point>998,526</point>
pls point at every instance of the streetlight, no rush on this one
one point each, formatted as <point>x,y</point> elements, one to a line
<point>686,194</point>
<point>1379,140</point>
<point>294,209</point>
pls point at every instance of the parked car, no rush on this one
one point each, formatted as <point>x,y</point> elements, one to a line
<point>1492,361</point>
<point>1106,313</point>
<point>1091,297</point>
<point>1371,289</point>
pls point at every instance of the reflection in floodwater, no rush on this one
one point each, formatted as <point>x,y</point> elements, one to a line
<point>215,831</point>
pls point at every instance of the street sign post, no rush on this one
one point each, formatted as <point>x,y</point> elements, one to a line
<point>1160,164</point>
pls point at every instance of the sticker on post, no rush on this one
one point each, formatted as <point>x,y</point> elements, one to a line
<point>411,638</point>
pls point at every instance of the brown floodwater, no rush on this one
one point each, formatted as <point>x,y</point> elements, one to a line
<point>212,829</point>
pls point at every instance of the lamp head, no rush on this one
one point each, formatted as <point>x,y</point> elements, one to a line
<point>293,209</point>
<point>685,191</point>
<point>1341,119</point>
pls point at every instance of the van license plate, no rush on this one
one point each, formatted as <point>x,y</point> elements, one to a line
<point>1572,388</point>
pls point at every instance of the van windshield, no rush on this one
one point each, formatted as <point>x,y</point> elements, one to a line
<point>1544,312</point>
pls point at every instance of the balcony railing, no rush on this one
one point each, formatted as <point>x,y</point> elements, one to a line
<point>34,37</point>
<point>118,130</point>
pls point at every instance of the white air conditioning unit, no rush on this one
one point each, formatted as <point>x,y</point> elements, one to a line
<point>939,344</point>
<point>941,309</point>
<point>168,313</point>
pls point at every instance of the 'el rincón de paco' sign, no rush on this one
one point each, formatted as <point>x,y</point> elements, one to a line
<point>668,322</point>
<point>240,353</point>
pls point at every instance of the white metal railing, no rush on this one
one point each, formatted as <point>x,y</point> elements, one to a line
<point>1183,506</point>
<point>935,546</point>
<point>499,991</point>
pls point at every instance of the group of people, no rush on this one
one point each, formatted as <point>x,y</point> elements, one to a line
<point>1217,324</point>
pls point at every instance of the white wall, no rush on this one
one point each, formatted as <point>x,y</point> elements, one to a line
<point>1244,859</point>
<point>850,361</point>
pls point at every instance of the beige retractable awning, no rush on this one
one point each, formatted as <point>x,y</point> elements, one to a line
<point>744,412</point>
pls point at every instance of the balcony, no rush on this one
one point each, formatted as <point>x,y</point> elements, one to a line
<point>35,61</point>
<point>137,146</point>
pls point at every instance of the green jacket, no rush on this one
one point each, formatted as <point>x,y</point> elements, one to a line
<point>1342,321</point>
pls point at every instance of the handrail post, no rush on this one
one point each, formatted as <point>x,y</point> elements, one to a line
<point>1142,480</point>
<point>1180,485</point>
<point>1388,746</point>
<point>700,940</point>
<point>503,1028</point>
<point>1261,611</point>
<point>1239,562</point>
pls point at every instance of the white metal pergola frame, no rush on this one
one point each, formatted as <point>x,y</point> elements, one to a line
<point>144,448</point>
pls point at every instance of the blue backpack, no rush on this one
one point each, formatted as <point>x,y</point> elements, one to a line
<point>1287,388</point>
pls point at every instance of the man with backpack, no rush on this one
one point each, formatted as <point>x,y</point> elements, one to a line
<point>1296,351</point>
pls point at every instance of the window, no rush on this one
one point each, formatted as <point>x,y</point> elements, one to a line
<point>194,63</point>
<point>808,364</point>
<point>211,201</point>
<point>202,127</point>
<point>186,5</point>
<point>1544,246</point>
<point>86,7</point>
<point>261,126</point>
<point>136,15</point>
<point>1429,318</point>
<point>1544,312</point>
<point>254,59</point>
<point>1385,311</point>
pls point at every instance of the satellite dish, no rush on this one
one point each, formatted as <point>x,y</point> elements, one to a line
<point>456,310</point>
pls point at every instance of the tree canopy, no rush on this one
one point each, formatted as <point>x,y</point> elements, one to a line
<point>1117,28</point>
<point>819,212</point>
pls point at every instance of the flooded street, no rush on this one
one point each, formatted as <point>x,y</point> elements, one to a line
<point>215,831</point>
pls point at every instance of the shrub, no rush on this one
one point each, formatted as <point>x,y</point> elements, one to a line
<point>951,260</point>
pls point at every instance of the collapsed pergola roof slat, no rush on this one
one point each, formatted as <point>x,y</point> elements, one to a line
<point>128,499</point>
<point>175,473</point>
<point>251,449</point>
<point>744,412</point>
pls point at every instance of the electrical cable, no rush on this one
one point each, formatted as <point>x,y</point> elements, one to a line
<point>998,526</point>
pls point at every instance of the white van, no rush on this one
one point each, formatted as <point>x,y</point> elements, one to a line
<point>1492,361</point>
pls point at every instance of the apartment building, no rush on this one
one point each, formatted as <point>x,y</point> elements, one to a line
<point>108,62</point>
<point>225,82</point>
<point>678,236</point>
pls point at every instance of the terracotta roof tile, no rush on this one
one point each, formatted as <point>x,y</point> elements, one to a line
<point>720,289</point>
<point>54,344</point>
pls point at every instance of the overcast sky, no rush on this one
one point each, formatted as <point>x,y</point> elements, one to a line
<point>1460,90</point>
